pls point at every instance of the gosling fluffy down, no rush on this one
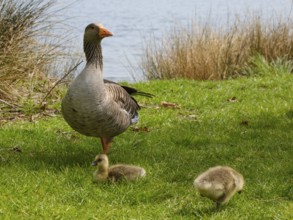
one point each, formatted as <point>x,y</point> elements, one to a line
<point>116,172</point>
<point>219,184</point>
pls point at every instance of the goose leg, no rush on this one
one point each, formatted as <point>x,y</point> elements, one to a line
<point>106,143</point>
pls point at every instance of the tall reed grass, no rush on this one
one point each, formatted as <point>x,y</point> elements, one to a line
<point>25,51</point>
<point>204,52</point>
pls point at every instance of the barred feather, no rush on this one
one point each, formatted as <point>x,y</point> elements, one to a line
<point>120,96</point>
<point>93,53</point>
<point>130,90</point>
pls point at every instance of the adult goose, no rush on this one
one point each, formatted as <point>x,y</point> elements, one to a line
<point>96,107</point>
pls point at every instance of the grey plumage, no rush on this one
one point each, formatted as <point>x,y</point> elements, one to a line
<point>219,184</point>
<point>94,106</point>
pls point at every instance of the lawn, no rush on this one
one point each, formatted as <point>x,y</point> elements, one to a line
<point>245,123</point>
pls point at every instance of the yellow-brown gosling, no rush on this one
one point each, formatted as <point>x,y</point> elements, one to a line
<point>116,172</point>
<point>219,184</point>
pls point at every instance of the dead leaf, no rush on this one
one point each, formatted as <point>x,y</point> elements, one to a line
<point>233,99</point>
<point>140,129</point>
<point>244,122</point>
<point>43,106</point>
<point>169,104</point>
<point>34,117</point>
<point>192,116</point>
<point>16,149</point>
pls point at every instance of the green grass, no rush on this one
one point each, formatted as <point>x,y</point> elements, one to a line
<point>253,132</point>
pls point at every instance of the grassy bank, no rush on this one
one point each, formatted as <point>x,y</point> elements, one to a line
<point>202,51</point>
<point>245,123</point>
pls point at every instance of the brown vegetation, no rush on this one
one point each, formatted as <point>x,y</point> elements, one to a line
<point>202,52</point>
<point>26,51</point>
<point>30,57</point>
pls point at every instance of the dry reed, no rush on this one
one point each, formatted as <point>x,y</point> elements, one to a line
<point>205,53</point>
<point>25,51</point>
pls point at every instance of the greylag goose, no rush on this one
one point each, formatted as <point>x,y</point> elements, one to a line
<point>116,172</point>
<point>94,106</point>
<point>219,184</point>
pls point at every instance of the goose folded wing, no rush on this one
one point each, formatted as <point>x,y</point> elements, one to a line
<point>122,97</point>
<point>130,90</point>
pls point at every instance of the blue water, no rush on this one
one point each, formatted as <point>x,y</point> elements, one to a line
<point>134,21</point>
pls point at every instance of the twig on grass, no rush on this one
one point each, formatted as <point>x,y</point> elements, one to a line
<point>9,104</point>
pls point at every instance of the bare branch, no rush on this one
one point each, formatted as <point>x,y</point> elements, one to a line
<point>9,104</point>
<point>59,81</point>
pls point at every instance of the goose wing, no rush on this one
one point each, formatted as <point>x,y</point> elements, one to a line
<point>130,90</point>
<point>122,97</point>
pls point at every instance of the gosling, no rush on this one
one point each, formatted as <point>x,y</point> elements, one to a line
<point>219,184</point>
<point>116,172</point>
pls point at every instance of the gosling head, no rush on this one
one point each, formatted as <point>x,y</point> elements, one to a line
<point>101,161</point>
<point>95,32</point>
<point>239,182</point>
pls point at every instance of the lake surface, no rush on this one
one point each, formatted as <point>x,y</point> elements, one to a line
<point>134,21</point>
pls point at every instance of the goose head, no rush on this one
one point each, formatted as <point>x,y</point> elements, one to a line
<point>95,32</point>
<point>93,35</point>
<point>101,161</point>
<point>239,182</point>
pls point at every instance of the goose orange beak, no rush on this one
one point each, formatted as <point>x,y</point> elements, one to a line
<point>104,32</point>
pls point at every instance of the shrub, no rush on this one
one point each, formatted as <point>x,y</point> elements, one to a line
<point>24,53</point>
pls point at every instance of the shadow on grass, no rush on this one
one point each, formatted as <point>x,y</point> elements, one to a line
<point>266,130</point>
<point>199,210</point>
<point>37,149</point>
<point>49,148</point>
<point>35,160</point>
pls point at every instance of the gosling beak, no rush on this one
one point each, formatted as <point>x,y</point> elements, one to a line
<point>94,163</point>
<point>239,192</point>
<point>104,32</point>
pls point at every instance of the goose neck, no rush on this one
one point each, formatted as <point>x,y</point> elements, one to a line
<point>93,54</point>
<point>103,170</point>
